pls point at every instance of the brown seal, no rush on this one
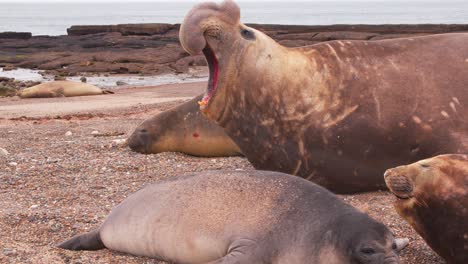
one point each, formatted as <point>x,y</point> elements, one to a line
<point>183,129</point>
<point>433,197</point>
<point>242,217</point>
<point>61,89</point>
<point>338,113</point>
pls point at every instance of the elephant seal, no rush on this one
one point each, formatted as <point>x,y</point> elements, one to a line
<point>241,217</point>
<point>61,89</point>
<point>432,195</point>
<point>183,129</point>
<point>337,113</point>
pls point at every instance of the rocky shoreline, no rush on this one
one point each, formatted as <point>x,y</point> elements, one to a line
<point>152,49</point>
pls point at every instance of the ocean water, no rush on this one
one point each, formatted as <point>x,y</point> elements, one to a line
<point>55,18</point>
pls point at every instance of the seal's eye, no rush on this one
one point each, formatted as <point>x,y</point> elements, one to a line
<point>424,165</point>
<point>394,246</point>
<point>368,251</point>
<point>247,34</point>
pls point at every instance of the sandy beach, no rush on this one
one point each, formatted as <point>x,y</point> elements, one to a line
<point>54,186</point>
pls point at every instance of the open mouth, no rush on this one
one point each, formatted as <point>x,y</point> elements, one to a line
<point>214,72</point>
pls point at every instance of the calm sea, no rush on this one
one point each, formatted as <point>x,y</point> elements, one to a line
<point>54,18</point>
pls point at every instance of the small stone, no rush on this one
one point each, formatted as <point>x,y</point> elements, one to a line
<point>68,134</point>
<point>121,83</point>
<point>13,164</point>
<point>9,252</point>
<point>34,206</point>
<point>3,152</point>
<point>95,132</point>
<point>119,142</point>
<point>83,79</point>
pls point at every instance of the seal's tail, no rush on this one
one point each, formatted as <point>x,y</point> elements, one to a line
<point>88,241</point>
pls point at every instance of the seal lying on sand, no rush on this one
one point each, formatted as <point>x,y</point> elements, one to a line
<point>337,113</point>
<point>433,198</point>
<point>61,89</point>
<point>242,217</point>
<point>183,129</point>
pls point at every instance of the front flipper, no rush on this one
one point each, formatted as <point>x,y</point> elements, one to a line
<point>244,251</point>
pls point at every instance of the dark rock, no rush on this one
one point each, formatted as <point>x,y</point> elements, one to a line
<point>343,35</point>
<point>121,83</point>
<point>7,91</point>
<point>83,79</point>
<point>15,35</point>
<point>124,29</point>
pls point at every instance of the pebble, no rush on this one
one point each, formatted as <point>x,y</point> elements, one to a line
<point>34,206</point>
<point>121,83</point>
<point>9,252</point>
<point>83,79</point>
<point>3,152</point>
<point>68,134</point>
<point>95,132</point>
<point>13,164</point>
<point>121,141</point>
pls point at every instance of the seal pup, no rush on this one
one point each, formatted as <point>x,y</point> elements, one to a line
<point>61,89</point>
<point>432,195</point>
<point>183,129</point>
<point>242,217</point>
<point>337,113</point>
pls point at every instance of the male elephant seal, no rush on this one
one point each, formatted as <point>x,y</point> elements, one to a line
<point>433,197</point>
<point>61,89</point>
<point>242,217</point>
<point>337,113</point>
<point>183,129</point>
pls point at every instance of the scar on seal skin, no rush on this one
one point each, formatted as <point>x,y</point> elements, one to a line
<point>242,217</point>
<point>183,129</point>
<point>432,195</point>
<point>338,113</point>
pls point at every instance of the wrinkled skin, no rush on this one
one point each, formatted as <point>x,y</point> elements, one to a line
<point>338,113</point>
<point>242,217</point>
<point>432,195</point>
<point>182,129</point>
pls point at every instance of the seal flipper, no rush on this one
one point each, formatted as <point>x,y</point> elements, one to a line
<point>87,241</point>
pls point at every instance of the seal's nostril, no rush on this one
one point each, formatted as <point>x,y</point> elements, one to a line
<point>143,131</point>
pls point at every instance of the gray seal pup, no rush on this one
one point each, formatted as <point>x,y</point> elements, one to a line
<point>242,217</point>
<point>432,196</point>
<point>183,129</point>
<point>337,113</point>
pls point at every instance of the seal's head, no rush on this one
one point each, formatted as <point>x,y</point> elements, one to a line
<point>231,49</point>
<point>432,195</point>
<point>364,240</point>
<point>152,137</point>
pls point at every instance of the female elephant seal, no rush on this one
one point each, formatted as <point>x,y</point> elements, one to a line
<point>337,113</point>
<point>61,89</point>
<point>183,129</point>
<point>242,217</point>
<point>433,197</point>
